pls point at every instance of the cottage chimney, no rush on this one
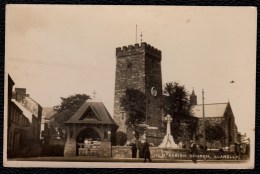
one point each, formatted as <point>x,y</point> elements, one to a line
<point>20,93</point>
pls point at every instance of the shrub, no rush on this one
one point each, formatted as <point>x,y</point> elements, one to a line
<point>121,138</point>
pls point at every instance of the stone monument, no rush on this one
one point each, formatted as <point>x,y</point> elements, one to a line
<point>168,141</point>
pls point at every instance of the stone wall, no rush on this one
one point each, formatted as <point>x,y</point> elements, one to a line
<point>122,152</point>
<point>106,150</point>
<point>102,150</point>
<point>70,148</point>
<point>164,153</point>
<point>174,154</point>
<point>156,153</point>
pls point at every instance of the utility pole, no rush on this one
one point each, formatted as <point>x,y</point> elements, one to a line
<point>203,119</point>
<point>135,33</point>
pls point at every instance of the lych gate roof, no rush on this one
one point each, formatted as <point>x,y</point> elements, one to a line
<point>211,110</point>
<point>99,114</point>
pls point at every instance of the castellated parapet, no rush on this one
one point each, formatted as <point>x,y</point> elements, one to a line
<point>138,49</point>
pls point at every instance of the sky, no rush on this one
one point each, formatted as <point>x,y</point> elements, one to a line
<point>55,51</point>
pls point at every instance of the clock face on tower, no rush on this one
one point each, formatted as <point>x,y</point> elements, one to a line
<point>154,91</point>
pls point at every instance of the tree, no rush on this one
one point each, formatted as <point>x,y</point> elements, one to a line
<point>176,103</point>
<point>133,102</point>
<point>176,100</point>
<point>68,107</point>
<point>214,132</point>
<point>64,111</point>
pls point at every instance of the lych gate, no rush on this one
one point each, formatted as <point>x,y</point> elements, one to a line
<point>91,131</point>
<point>88,133</point>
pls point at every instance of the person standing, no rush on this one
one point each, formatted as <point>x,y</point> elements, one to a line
<point>140,148</point>
<point>134,150</point>
<point>194,152</point>
<point>247,150</point>
<point>237,150</point>
<point>146,150</point>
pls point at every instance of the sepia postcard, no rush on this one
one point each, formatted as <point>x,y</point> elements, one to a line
<point>130,86</point>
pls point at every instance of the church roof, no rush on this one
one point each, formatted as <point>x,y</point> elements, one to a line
<point>193,93</point>
<point>99,114</point>
<point>211,110</point>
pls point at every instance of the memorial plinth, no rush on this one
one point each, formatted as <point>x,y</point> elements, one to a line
<point>168,141</point>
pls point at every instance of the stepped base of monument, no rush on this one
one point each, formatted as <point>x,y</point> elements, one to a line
<point>168,142</point>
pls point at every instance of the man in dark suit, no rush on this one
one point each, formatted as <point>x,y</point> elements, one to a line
<point>134,150</point>
<point>146,150</point>
<point>194,152</point>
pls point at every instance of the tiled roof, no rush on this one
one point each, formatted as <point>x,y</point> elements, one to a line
<point>31,105</point>
<point>211,110</point>
<point>103,116</point>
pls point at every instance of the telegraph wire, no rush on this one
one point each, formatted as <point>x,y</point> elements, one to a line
<point>40,62</point>
<point>54,64</point>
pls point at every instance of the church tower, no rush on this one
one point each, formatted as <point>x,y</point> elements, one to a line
<point>139,66</point>
<point>193,98</point>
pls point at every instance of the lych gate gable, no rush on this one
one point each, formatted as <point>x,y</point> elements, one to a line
<point>90,114</point>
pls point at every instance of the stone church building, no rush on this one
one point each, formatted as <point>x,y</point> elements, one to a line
<point>138,66</point>
<point>220,114</point>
